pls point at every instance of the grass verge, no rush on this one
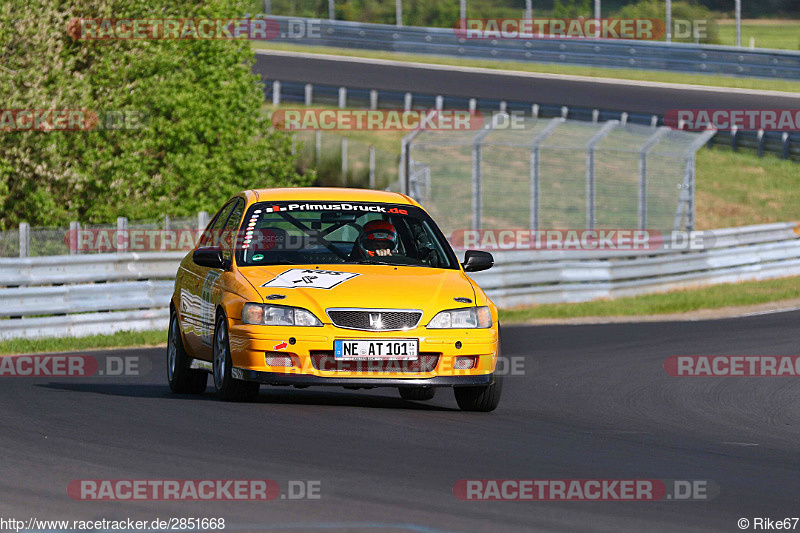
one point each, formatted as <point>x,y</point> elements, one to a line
<point>780,34</point>
<point>122,339</point>
<point>712,297</point>
<point>547,68</point>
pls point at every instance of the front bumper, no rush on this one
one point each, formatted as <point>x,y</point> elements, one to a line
<point>303,380</point>
<point>250,346</point>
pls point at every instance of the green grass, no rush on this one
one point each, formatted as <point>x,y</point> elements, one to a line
<point>781,34</point>
<point>737,189</point>
<point>122,339</point>
<point>616,73</point>
<point>712,297</point>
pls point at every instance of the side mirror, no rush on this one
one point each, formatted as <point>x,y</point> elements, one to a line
<point>475,261</point>
<point>209,257</point>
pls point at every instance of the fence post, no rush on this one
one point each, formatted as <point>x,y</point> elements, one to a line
<point>761,140</point>
<point>318,147</point>
<point>535,169</point>
<point>74,237</point>
<point>202,220</point>
<point>309,93</point>
<point>122,231</point>
<point>344,161</point>
<point>342,97</point>
<point>276,93</point>
<point>371,167</point>
<point>24,239</point>
<point>734,139</point>
<point>590,177</point>
<point>785,140</point>
<point>398,12</point>
<point>294,144</point>
<point>331,10</point>
<point>643,151</point>
<point>166,232</point>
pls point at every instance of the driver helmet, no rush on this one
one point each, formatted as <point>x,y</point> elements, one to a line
<point>377,235</point>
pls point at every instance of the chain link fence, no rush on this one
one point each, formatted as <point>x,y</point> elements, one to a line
<point>554,174</point>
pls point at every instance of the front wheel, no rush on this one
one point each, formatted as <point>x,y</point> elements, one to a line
<point>483,398</point>
<point>229,389</point>
<point>182,379</point>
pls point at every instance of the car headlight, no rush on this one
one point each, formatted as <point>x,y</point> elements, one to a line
<point>277,315</point>
<point>470,317</point>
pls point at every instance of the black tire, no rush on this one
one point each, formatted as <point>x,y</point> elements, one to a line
<point>228,388</point>
<point>182,379</point>
<point>419,394</point>
<point>483,398</point>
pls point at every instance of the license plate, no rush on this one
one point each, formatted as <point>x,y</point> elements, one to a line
<point>361,350</point>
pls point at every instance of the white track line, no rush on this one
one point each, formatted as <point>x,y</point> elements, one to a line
<point>535,75</point>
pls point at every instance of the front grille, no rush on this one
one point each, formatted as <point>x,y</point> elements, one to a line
<point>375,319</point>
<point>325,361</point>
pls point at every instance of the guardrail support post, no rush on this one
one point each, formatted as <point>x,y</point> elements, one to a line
<point>342,97</point>
<point>276,93</point>
<point>24,239</point>
<point>407,101</point>
<point>373,99</point>
<point>761,140</point>
<point>439,102</point>
<point>473,106</point>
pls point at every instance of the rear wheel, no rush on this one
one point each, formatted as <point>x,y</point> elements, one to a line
<point>417,393</point>
<point>182,379</point>
<point>229,389</point>
<point>484,398</point>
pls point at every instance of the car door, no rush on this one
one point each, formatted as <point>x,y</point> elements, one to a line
<point>199,279</point>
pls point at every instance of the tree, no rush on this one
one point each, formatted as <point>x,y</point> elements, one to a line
<point>204,136</point>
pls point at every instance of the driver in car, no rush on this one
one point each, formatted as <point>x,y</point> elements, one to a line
<point>379,238</point>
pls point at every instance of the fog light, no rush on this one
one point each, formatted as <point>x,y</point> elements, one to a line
<point>278,359</point>
<point>463,363</point>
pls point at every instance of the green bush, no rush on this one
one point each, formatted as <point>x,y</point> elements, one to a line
<point>205,136</point>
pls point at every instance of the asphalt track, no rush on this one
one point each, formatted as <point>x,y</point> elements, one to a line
<point>610,95</point>
<point>594,402</point>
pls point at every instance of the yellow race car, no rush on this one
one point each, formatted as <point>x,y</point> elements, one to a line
<point>318,286</point>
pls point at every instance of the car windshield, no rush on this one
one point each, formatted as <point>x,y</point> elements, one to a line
<point>314,233</point>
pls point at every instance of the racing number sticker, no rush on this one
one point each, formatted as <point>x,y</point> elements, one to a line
<point>309,278</point>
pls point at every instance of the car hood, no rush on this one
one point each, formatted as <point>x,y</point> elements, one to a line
<point>367,286</point>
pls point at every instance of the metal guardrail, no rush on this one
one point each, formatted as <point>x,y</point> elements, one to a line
<point>676,57</point>
<point>782,144</point>
<point>105,293</point>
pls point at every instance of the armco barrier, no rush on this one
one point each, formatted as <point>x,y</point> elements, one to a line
<point>104,293</point>
<point>676,57</point>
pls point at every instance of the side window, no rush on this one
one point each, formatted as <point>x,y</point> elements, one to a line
<point>229,230</point>
<point>211,235</point>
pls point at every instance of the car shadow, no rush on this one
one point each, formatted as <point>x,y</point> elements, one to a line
<point>267,396</point>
